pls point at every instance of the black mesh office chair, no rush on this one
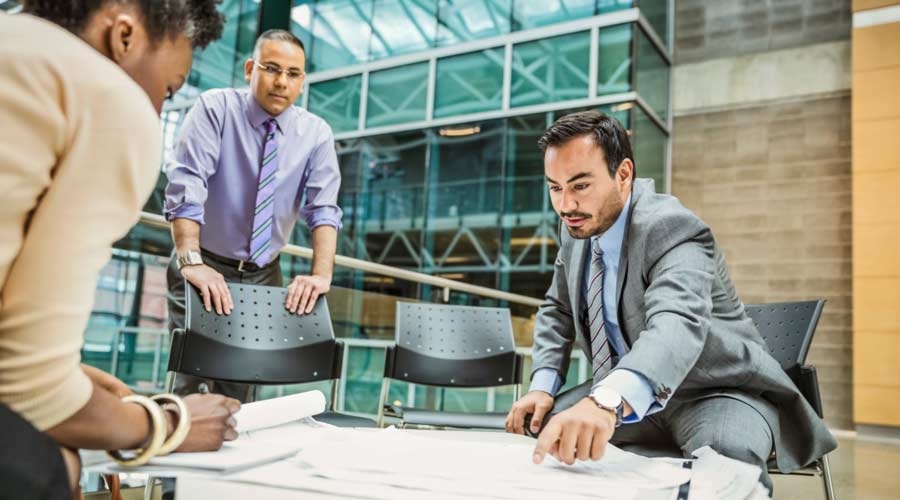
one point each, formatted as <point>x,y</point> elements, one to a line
<point>451,346</point>
<point>261,343</point>
<point>788,329</point>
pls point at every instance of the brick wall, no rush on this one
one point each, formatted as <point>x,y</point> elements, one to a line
<point>711,29</point>
<point>774,184</point>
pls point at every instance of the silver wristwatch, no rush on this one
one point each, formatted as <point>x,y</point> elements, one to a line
<point>610,400</point>
<point>190,258</point>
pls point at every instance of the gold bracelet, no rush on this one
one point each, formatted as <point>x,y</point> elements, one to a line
<point>182,428</point>
<point>158,428</point>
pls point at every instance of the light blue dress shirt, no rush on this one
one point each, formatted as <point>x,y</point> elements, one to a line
<point>633,387</point>
<point>214,171</point>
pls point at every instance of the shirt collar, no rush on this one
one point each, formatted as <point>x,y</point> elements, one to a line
<point>611,241</point>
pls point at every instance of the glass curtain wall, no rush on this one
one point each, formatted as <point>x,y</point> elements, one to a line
<point>341,33</point>
<point>437,106</point>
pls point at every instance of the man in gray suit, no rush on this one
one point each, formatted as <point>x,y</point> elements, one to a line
<point>641,284</point>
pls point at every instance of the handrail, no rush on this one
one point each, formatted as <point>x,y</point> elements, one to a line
<point>159,221</point>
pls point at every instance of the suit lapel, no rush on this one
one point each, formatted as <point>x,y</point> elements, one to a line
<point>637,192</point>
<point>576,282</point>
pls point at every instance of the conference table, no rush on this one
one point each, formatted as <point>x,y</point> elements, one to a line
<point>400,464</point>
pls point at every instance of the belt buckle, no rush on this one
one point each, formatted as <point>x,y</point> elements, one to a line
<point>240,267</point>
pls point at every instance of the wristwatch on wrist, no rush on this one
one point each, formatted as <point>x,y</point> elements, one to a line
<point>189,258</point>
<point>610,400</point>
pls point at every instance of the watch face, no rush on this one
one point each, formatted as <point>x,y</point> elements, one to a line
<point>606,397</point>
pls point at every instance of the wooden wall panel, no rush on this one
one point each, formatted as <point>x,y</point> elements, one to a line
<point>872,4</point>
<point>876,221</point>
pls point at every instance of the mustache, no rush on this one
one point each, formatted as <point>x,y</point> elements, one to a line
<point>574,215</point>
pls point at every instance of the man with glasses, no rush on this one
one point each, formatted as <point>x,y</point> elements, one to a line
<point>246,164</point>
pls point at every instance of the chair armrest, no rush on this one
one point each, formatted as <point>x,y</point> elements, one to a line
<point>389,358</point>
<point>520,362</point>
<point>337,362</point>
<point>804,376</point>
<point>176,350</point>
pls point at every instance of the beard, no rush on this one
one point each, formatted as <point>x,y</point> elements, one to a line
<point>597,223</point>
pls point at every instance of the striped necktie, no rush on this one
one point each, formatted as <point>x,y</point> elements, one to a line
<point>601,355</point>
<point>263,218</point>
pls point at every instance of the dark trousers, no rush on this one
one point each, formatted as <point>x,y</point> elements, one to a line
<point>729,426</point>
<point>269,275</point>
<point>31,463</point>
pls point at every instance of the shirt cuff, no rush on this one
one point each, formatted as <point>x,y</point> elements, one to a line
<point>323,216</point>
<point>547,380</point>
<point>635,390</point>
<point>186,211</point>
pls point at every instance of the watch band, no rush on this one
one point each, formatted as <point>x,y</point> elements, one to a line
<point>189,258</point>
<point>617,410</point>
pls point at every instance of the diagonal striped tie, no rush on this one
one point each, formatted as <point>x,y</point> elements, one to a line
<point>263,218</point>
<point>601,354</point>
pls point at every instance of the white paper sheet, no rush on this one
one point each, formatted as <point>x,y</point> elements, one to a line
<point>716,477</point>
<point>234,455</point>
<point>391,461</point>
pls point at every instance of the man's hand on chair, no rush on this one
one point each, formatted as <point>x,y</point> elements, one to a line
<point>581,432</point>
<point>212,287</point>
<point>304,291</point>
<point>536,403</point>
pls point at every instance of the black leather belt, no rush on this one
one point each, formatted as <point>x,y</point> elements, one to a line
<point>240,265</point>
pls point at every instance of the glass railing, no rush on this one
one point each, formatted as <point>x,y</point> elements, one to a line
<point>362,320</point>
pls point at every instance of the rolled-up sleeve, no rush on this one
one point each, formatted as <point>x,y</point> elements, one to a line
<point>194,160</point>
<point>323,183</point>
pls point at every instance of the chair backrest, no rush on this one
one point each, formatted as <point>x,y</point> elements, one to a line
<point>450,345</point>
<point>260,342</point>
<point>787,328</point>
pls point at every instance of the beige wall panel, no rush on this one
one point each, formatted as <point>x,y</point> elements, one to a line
<point>876,405</point>
<point>875,94</point>
<point>876,146</point>
<point>872,256</point>
<point>872,4</point>
<point>876,304</point>
<point>876,47</point>
<point>876,359</point>
<point>877,199</point>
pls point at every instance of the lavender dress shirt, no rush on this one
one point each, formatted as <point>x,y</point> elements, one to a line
<point>213,173</point>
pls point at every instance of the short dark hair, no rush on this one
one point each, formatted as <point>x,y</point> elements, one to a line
<point>199,20</point>
<point>608,134</point>
<point>277,35</point>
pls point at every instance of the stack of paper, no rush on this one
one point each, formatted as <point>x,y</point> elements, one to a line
<point>281,446</point>
<point>397,464</point>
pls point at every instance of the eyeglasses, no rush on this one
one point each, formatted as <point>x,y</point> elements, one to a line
<point>271,69</point>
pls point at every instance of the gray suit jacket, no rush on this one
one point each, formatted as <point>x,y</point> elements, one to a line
<point>685,325</point>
